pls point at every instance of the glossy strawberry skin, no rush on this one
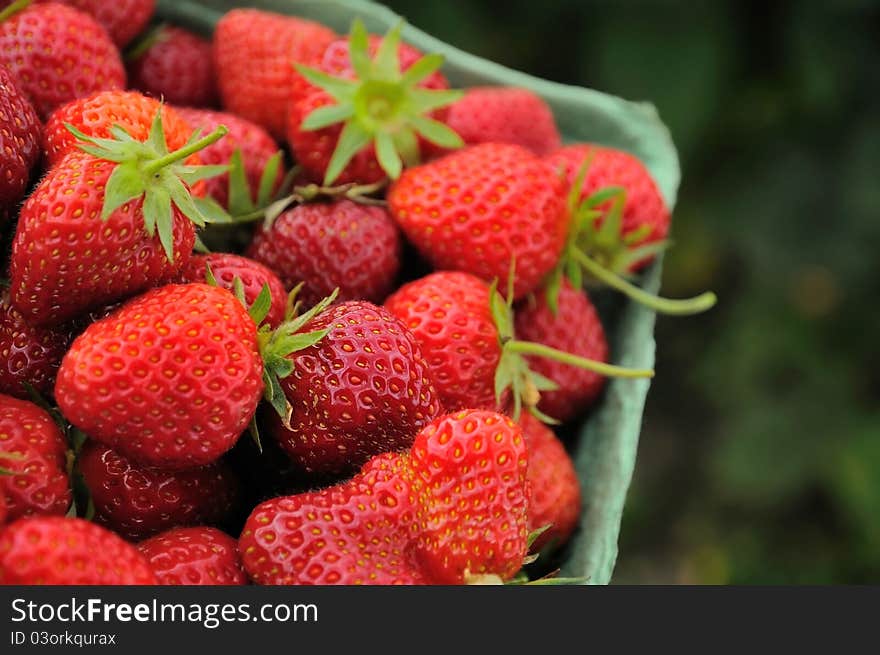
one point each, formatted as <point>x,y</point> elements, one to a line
<point>20,130</point>
<point>256,145</point>
<point>57,53</point>
<point>28,354</point>
<point>95,114</point>
<point>254,53</point>
<point>328,245</point>
<point>448,313</point>
<point>576,329</point>
<point>171,379</point>
<point>226,267</point>
<point>357,532</point>
<point>505,115</point>
<point>555,499</point>
<point>362,390</point>
<point>477,209</point>
<point>52,550</point>
<point>178,67</point>
<point>4,514</point>
<point>644,207</point>
<point>123,19</point>
<point>66,260</point>
<point>138,502</point>
<point>194,556</point>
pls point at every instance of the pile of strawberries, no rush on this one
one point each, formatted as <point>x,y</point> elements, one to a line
<point>283,308</point>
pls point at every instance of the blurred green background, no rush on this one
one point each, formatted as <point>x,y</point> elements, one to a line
<point>760,453</point>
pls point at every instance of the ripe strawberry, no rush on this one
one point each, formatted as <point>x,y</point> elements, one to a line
<point>555,499</point>
<point>171,379</point>
<point>575,328</point>
<point>52,550</point>
<point>123,19</point>
<point>4,515</point>
<point>19,142</point>
<point>359,120</point>
<point>174,64</point>
<point>327,245</point>
<point>194,556</point>
<point>254,53</point>
<point>104,225</point>
<point>449,314</point>
<point>28,354</point>
<point>505,115</point>
<point>138,501</point>
<point>226,267</point>
<point>57,53</point>
<point>481,209</point>
<point>362,390</point>
<point>255,144</point>
<point>96,114</point>
<point>32,454</point>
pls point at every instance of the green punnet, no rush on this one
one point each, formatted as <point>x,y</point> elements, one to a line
<point>382,106</point>
<point>147,170</point>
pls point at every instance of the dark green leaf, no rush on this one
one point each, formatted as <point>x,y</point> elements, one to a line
<point>124,185</point>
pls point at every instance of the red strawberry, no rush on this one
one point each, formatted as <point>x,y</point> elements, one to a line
<point>176,65</point>
<point>575,328</point>
<point>480,209</point>
<point>94,115</point>
<point>138,502</point>
<point>123,19</point>
<point>393,112</point>
<point>4,515</point>
<point>32,452</point>
<point>52,550</point>
<point>194,556</point>
<point>28,354</point>
<point>171,379</point>
<point>226,267</point>
<point>340,244</point>
<point>555,489</point>
<point>254,53</point>
<point>357,532</point>
<point>505,115</point>
<point>362,390</point>
<point>19,142</point>
<point>448,312</point>
<point>257,147</point>
<point>57,53</point>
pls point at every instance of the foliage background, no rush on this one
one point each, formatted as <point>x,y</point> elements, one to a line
<point>760,453</point>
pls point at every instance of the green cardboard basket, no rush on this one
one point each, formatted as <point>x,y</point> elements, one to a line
<point>605,445</point>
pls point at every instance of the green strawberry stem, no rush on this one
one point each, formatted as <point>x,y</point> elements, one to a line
<point>185,151</point>
<point>681,307</point>
<point>14,8</point>
<point>610,370</point>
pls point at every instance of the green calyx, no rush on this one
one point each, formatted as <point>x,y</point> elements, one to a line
<point>513,371</point>
<point>14,8</point>
<point>596,246</point>
<point>148,170</point>
<point>383,105</point>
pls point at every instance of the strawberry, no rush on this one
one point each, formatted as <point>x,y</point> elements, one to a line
<point>574,328</point>
<point>4,514</point>
<point>555,499</point>
<point>450,511</point>
<point>87,235</point>
<point>226,268</point>
<point>57,53</point>
<point>505,115</point>
<point>52,550</point>
<point>363,118</point>
<point>138,502</point>
<point>256,148</point>
<point>123,19</point>
<point>19,142</point>
<point>194,556</point>
<point>28,354</point>
<point>32,454</point>
<point>340,244</point>
<point>254,53</point>
<point>363,389</point>
<point>96,114</point>
<point>174,64</point>
<point>482,208</point>
<point>171,379</point>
